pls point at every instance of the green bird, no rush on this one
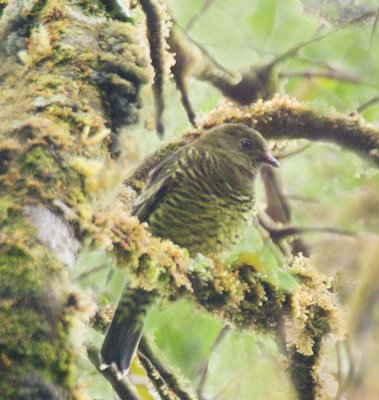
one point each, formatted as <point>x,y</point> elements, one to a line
<point>201,198</point>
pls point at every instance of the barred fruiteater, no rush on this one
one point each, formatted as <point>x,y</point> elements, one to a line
<point>201,198</point>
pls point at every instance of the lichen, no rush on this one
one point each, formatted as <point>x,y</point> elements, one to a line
<point>39,46</point>
<point>240,295</point>
<point>314,312</point>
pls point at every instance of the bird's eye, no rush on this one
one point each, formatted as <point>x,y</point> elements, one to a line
<point>245,144</point>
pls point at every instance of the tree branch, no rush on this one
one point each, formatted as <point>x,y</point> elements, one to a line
<point>330,74</point>
<point>278,209</point>
<point>200,13</point>
<point>122,387</point>
<point>164,380</point>
<point>279,119</point>
<point>285,118</point>
<point>366,105</point>
<point>158,25</point>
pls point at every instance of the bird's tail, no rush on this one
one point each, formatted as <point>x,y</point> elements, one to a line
<point>124,333</point>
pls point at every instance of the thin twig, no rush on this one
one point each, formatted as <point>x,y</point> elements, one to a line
<point>200,13</point>
<point>366,105</point>
<point>299,46</point>
<point>203,370</point>
<point>282,232</point>
<point>210,60</point>
<point>321,64</point>
<point>299,230</point>
<point>330,74</point>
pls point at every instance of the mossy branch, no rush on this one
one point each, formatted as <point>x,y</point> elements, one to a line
<point>167,384</point>
<point>241,295</point>
<point>123,388</point>
<point>285,118</point>
<point>279,119</point>
<point>243,88</point>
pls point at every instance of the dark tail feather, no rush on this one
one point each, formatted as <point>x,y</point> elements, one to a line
<point>124,333</point>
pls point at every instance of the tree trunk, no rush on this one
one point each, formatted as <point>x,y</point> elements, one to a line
<point>68,76</point>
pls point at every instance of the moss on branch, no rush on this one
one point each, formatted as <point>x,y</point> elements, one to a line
<point>279,119</point>
<point>243,296</point>
<point>285,118</point>
<point>55,107</point>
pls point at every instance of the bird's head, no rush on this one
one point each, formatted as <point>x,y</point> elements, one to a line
<point>239,144</point>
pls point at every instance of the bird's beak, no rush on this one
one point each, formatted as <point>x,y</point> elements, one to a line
<point>270,160</point>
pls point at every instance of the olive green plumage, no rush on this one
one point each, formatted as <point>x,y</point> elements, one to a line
<point>201,198</point>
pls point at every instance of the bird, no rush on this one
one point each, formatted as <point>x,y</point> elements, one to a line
<point>201,197</point>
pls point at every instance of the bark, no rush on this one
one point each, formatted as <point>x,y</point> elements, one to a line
<point>60,66</point>
<point>70,79</point>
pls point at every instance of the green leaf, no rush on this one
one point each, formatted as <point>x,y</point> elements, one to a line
<point>262,21</point>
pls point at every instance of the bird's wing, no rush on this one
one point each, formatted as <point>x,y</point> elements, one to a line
<point>162,180</point>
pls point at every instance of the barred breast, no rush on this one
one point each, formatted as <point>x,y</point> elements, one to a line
<point>207,210</point>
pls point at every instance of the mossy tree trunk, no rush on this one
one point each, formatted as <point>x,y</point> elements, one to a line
<point>68,77</point>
